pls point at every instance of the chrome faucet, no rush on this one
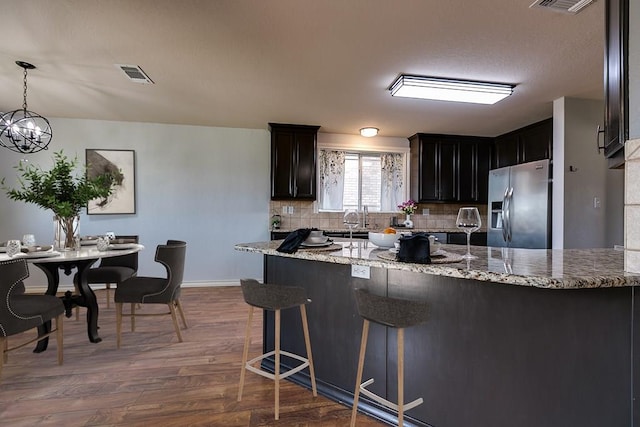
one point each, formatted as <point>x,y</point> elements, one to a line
<point>365,216</point>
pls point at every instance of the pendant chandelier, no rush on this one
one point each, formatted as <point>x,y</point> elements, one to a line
<point>24,131</point>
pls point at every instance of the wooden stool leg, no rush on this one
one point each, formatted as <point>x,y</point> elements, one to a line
<point>106,289</point>
<point>118,323</point>
<point>307,341</point>
<point>59,340</point>
<point>363,350</point>
<point>277,367</point>
<point>174,317</point>
<point>400,376</point>
<point>245,352</point>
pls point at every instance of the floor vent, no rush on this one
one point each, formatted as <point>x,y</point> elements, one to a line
<point>135,73</point>
<point>566,6</point>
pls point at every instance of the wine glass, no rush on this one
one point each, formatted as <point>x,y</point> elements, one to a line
<point>351,219</point>
<point>468,221</point>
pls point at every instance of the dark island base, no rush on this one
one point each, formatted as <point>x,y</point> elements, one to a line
<point>491,355</point>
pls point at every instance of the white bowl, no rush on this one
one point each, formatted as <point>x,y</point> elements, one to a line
<point>383,240</point>
<point>315,240</point>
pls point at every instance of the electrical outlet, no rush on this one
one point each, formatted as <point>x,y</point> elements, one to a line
<point>425,211</point>
<point>361,271</point>
<point>284,209</point>
<point>290,210</point>
<point>596,202</point>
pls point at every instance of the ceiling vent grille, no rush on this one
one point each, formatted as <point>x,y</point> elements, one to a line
<point>566,6</point>
<point>135,73</point>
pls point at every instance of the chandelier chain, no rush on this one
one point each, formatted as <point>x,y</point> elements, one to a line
<point>24,94</point>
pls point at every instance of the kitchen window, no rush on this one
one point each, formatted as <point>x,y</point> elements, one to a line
<point>352,180</point>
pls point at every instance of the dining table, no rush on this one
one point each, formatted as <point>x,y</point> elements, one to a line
<point>51,262</point>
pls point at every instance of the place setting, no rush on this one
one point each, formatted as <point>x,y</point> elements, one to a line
<point>27,248</point>
<point>437,255</point>
<point>318,241</point>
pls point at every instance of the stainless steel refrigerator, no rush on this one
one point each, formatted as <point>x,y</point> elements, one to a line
<point>519,207</point>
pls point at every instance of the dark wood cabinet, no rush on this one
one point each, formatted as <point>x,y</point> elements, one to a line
<point>293,161</point>
<point>616,127</point>
<point>528,144</point>
<point>434,178</point>
<point>474,163</point>
<point>449,168</point>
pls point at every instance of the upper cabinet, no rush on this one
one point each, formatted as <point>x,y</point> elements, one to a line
<point>449,168</point>
<point>293,161</point>
<point>616,126</point>
<point>528,144</point>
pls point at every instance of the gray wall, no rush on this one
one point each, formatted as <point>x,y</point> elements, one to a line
<point>577,222</point>
<point>208,186</point>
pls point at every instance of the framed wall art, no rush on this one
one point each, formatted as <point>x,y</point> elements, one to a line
<point>121,164</point>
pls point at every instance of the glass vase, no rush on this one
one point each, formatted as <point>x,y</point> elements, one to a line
<point>66,233</point>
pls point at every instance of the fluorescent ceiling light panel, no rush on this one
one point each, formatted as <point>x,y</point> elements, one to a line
<point>450,90</point>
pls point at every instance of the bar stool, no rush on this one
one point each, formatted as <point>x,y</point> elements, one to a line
<point>394,313</point>
<point>275,298</point>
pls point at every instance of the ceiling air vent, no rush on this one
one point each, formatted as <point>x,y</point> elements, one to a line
<point>135,73</point>
<point>566,6</point>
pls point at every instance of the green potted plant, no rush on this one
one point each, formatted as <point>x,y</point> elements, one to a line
<point>61,191</point>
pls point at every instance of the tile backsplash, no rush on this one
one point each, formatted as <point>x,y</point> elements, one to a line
<point>441,216</point>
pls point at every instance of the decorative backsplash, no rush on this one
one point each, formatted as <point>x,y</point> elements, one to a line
<point>441,216</point>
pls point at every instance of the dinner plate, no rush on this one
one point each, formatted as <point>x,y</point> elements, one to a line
<point>120,246</point>
<point>317,245</point>
<point>39,254</point>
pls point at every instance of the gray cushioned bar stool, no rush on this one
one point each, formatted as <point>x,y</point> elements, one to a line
<point>275,298</point>
<point>394,313</point>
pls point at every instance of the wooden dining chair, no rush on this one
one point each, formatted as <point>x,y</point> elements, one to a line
<point>155,290</point>
<point>113,270</point>
<point>20,312</point>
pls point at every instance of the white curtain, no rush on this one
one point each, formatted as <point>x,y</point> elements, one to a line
<point>393,186</point>
<point>331,179</point>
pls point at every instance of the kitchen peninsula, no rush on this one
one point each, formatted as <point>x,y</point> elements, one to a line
<point>516,337</point>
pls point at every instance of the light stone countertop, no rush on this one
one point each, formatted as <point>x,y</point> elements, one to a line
<point>379,229</point>
<point>542,268</point>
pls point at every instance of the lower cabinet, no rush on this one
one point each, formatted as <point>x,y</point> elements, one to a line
<point>477,239</point>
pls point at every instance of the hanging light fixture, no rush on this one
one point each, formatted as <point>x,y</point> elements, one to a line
<point>24,131</point>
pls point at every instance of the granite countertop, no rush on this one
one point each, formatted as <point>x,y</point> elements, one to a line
<point>542,268</point>
<point>379,230</point>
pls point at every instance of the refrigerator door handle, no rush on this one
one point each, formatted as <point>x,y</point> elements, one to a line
<point>505,215</point>
<point>510,200</point>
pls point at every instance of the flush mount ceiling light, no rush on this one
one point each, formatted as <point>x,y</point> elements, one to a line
<point>369,132</point>
<point>24,131</point>
<point>450,90</point>
<point>566,6</point>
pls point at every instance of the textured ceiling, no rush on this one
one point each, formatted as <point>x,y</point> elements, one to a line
<point>244,63</point>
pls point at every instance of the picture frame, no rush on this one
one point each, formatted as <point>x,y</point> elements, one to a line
<point>121,163</point>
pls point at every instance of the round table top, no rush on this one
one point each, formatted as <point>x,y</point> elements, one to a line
<point>85,252</point>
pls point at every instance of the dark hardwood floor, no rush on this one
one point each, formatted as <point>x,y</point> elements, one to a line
<point>154,380</point>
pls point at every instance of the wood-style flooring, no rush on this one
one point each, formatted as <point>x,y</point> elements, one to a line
<point>153,380</point>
